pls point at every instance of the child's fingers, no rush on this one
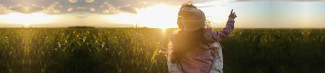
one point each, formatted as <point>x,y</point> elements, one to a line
<point>231,11</point>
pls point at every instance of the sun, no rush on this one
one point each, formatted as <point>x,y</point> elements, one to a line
<point>27,19</point>
<point>163,29</point>
<point>158,16</point>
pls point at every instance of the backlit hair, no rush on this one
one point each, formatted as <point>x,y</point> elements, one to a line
<point>188,4</point>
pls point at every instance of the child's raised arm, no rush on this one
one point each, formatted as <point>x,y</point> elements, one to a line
<point>225,32</point>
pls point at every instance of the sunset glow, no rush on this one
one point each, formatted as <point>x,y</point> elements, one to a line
<point>158,16</point>
<point>27,19</point>
<point>159,13</point>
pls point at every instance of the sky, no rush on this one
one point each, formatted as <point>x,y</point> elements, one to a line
<point>160,13</point>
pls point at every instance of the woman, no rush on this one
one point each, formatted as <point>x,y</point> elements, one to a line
<point>192,49</point>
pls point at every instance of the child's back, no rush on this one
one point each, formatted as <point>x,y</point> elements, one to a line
<point>202,56</point>
<point>190,48</point>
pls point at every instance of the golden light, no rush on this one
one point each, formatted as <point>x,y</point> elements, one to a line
<point>163,16</point>
<point>158,16</point>
<point>27,19</point>
<point>124,18</point>
<point>216,11</point>
<point>26,9</point>
<point>163,29</point>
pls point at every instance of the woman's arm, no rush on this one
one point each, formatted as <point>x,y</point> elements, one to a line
<point>226,31</point>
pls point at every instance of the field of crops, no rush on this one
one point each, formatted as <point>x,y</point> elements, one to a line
<point>143,50</point>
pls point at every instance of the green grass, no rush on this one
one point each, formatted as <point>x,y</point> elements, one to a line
<point>130,50</point>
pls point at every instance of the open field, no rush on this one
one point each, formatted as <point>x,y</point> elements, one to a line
<point>143,50</point>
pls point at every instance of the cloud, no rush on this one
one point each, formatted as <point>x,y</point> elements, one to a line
<point>31,6</point>
<point>73,1</point>
<point>89,1</point>
<point>83,6</point>
<point>130,6</point>
<point>2,9</point>
<point>26,8</point>
<point>280,0</point>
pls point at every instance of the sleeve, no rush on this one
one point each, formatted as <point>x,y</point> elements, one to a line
<point>224,33</point>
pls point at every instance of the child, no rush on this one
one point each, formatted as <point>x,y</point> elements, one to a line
<point>191,46</point>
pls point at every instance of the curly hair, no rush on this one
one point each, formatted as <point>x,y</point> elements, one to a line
<point>188,4</point>
<point>179,19</point>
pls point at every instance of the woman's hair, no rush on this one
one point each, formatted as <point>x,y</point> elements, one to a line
<point>184,41</point>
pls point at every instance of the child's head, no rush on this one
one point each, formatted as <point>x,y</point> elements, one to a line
<point>192,21</point>
<point>190,18</point>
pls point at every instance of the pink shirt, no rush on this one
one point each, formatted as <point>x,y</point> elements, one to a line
<point>202,58</point>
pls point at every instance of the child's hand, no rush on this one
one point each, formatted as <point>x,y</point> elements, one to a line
<point>232,14</point>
